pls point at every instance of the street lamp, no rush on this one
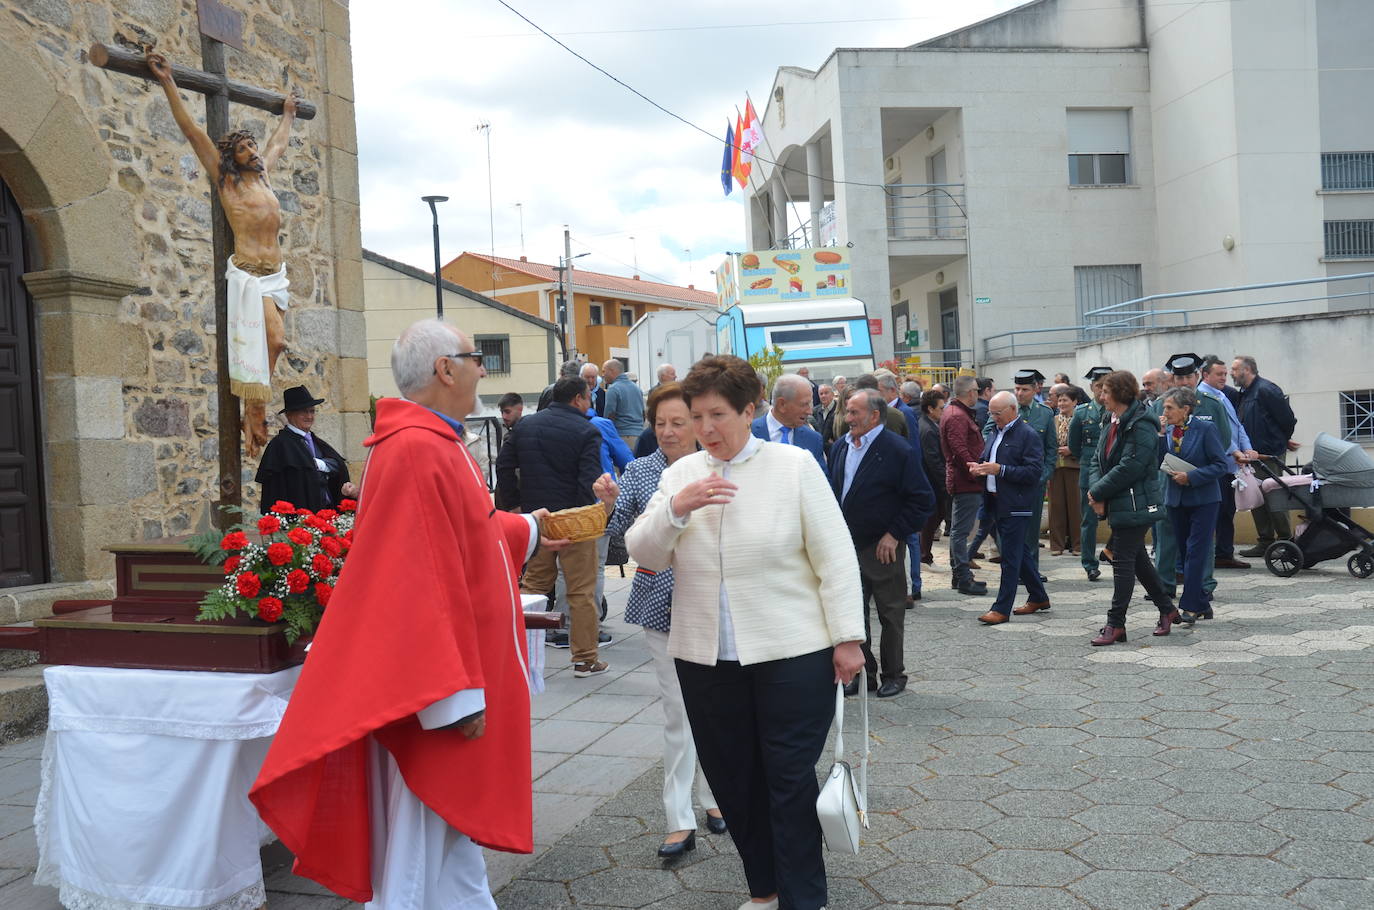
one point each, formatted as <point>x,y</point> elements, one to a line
<point>438,289</point>
<point>564,264</point>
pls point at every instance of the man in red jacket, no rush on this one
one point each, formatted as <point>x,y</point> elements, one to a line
<point>961,443</point>
<point>406,743</point>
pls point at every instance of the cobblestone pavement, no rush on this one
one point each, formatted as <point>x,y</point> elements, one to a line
<point>1226,767</point>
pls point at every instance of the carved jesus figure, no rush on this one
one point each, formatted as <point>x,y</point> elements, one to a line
<point>256,272</point>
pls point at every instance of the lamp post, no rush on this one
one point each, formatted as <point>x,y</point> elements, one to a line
<point>563,265</point>
<point>438,288</point>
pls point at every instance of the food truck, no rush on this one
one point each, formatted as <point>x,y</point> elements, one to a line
<point>799,300</point>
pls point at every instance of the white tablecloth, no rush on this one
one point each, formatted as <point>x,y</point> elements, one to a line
<point>534,642</point>
<point>144,795</point>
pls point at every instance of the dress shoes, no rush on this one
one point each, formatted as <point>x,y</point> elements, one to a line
<point>1257,550</point>
<point>715,825</point>
<point>1105,555</point>
<point>1094,574</point>
<point>1031,606</point>
<point>851,688</point>
<point>973,588</point>
<point>928,559</point>
<point>993,618</point>
<point>973,565</point>
<point>1231,563</point>
<point>1190,617</point>
<point>890,688</point>
<point>1056,552</point>
<point>978,554</point>
<point>668,851</point>
<point>1109,636</point>
<point>1165,621</point>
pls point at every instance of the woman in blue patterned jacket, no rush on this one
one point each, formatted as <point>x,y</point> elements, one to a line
<point>650,605</point>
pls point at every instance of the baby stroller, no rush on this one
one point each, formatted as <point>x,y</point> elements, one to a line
<point>1340,477</point>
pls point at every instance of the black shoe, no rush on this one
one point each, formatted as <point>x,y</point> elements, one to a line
<point>973,588</point>
<point>851,688</point>
<point>978,554</point>
<point>1257,550</point>
<point>668,851</point>
<point>715,825</point>
<point>556,639</point>
<point>1094,574</point>
<point>916,595</point>
<point>928,560</point>
<point>891,688</point>
<point>604,638</point>
<point>1044,580</point>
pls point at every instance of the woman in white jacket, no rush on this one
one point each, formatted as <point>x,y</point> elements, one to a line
<point>767,618</point>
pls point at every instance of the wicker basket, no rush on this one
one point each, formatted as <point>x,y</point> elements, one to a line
<point>582,523</point>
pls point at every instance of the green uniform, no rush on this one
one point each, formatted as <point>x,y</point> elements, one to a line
<point>1166,546</point>
<point>1085,429</point>
<point>1039,418</point>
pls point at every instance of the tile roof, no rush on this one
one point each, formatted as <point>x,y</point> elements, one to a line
<point>602,281</point>
<point>428,278</point>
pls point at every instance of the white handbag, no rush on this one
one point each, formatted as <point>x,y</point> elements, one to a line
<point>842,806</point>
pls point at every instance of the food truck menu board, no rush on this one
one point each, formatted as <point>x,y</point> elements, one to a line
<point>765,276</point>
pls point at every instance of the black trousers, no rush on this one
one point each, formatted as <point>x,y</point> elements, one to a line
<point>1226,520</point>
<point>885,586</point>
<point>1130,563</point>
<point>759,731</point>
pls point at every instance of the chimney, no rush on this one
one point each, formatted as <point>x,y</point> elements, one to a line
<point>636,278</point>
<point>691,287</point>
<point>523,259</point>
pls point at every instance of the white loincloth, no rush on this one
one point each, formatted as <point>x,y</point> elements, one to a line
<point>419,862</point>
<point>250,373</point>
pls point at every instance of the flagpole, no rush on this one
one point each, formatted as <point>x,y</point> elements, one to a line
<point>749,184</point>
<point>778,166</point>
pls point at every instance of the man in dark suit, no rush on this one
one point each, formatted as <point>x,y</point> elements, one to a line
<point>1013,459</point>
<point>891,390</point>
<point>1269,422</point>
<point>785,421</point>
<point>885,497</point>
<point>299,467</point>
<point>823,417</point>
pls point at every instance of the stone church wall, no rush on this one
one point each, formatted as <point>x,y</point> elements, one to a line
<point>117,211</point>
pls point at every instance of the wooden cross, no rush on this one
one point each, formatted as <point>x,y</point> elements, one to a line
<point>219,26</point>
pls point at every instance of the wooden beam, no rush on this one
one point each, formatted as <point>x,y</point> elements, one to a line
<point>131,63</point>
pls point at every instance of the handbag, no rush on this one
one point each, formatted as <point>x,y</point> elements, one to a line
<point>1248,493</point>
<point>842,805</point>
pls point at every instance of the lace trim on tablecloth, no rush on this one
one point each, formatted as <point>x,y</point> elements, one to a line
<point>74,898</point>
<point>153,726</point>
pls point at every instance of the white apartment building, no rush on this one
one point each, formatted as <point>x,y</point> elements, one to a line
<point>1067,155</point>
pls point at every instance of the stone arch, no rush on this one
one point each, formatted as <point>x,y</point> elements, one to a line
<point>83,252</point>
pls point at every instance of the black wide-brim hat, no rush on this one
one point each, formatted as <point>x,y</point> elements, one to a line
<point>298,398</point>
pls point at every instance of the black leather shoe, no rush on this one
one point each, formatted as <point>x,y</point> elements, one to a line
<point>715,825</point>
<point>668,851</point>
<point>891,688</point>
<point>973,588</point>
<point>1094,574</point>
<point>873,680</point>
<point>851,688</point>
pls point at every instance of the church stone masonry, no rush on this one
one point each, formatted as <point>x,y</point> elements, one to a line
<point>116,288</point>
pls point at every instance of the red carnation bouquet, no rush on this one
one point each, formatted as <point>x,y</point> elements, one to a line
<point>288,574</point>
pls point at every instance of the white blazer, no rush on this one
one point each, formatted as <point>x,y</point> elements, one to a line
<point>782,547</point>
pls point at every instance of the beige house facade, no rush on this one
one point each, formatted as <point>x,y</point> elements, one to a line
<point>520,349</point>
<point>107,347</point>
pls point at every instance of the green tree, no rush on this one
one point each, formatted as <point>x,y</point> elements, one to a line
<point>768,364</point>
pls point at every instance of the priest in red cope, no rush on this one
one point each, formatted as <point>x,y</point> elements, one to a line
<point>406,744</point>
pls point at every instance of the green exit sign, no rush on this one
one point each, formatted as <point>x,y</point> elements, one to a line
<point>983,300</point>
<point>913,338</point>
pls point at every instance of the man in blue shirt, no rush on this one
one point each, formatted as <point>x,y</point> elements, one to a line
<point>624,404</point>
<point>1213,385</point>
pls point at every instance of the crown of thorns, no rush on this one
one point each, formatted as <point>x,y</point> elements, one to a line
<point>228,143</point>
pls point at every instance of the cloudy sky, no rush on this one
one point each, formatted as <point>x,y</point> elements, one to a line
<point>568,145</point>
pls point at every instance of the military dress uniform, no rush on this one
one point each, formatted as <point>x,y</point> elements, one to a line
<point>1085,429</point>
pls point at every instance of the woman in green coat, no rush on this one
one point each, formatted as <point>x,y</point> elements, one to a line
<point>1126,492</point>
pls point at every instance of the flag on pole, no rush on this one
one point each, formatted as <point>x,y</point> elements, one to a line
<point>750,135</point>
<point>727,162</point>
<point>738,166</point>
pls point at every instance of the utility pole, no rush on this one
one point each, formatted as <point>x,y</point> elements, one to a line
<point>438,281</point>
<point>571,295</point>
<point>520,211</point>
<point>484,128</point>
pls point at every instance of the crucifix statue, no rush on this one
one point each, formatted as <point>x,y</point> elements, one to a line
<point>250,275</point>
<point>255,273</point>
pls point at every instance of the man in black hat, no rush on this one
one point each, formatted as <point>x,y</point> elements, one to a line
<point>299,467</point>
<point>1085,429</point>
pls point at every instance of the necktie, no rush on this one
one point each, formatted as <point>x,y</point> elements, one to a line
<point>787,436</point>
<point>310,444</point>
<point>1111,437</point>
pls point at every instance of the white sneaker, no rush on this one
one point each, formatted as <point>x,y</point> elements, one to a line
<point>753,905</point>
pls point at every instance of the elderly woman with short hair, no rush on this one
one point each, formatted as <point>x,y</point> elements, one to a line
<point>1193,496</point>
<point>650,605</point>
<point>767,618</point>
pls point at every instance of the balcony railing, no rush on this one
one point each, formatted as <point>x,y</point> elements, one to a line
<point>1144,313</point>
<point>926,211</point>
<point>1349,239</point>
<point>1348,170</point>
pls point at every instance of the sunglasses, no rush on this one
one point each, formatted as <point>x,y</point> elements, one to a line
<point>474,356</point>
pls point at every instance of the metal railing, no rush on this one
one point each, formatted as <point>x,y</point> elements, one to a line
<point>926,211</point>
<point>1348,170</point>
<point>1142,313</point>
<point>934,358</point>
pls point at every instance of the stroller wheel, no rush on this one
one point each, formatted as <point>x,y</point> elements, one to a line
<point>1361,565</point>
<point>1283,558</point>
